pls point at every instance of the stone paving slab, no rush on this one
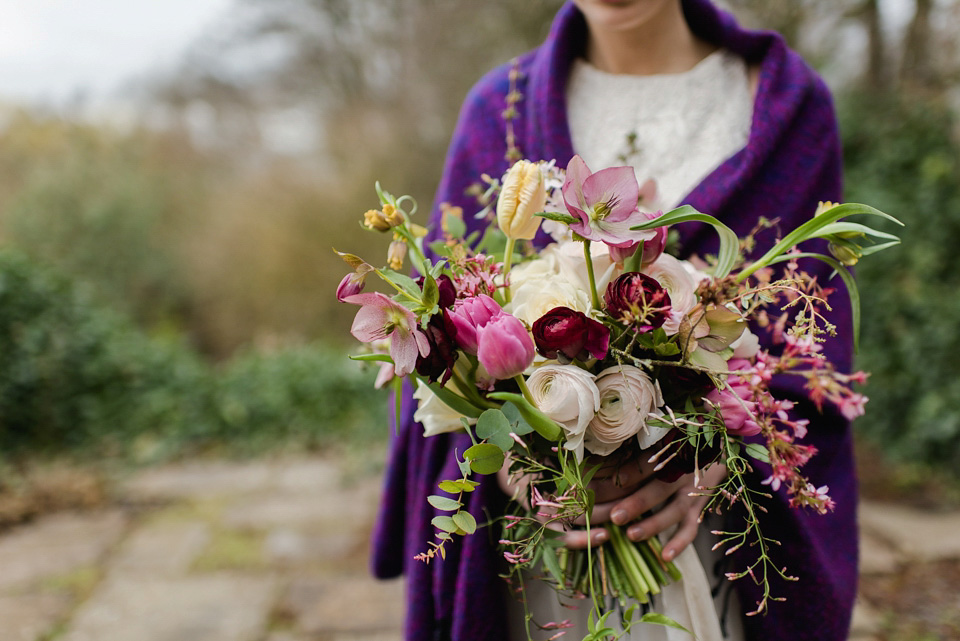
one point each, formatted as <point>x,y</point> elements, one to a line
<point>918,534</point>
<point>345,605</point>
<point>877,556</point>
<point>26,617</point>
<point>56,545</point>
<point>223,607</point>
<point>198,480</point>
<point>290,548</point>
<point>333,510</point>
<point>161,549</point>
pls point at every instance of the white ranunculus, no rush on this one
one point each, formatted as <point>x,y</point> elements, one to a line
<point>674,277</point>
<point>627,398</point>
<point>568,395</point>
<point>436,416</point>
<point>536,297</point>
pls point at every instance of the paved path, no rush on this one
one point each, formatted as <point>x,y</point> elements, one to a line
<point>268,551</point>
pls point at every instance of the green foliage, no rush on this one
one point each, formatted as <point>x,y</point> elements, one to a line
<point>79,378</point>
<point>902,157</point>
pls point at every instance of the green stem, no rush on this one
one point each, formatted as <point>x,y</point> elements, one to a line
<point>397,287</point>
<point>593,281</point>
<point>507,261</point>
<point>522,384</point>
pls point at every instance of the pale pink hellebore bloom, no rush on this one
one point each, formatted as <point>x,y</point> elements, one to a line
<point>605,203</point>
<point>380,317</point>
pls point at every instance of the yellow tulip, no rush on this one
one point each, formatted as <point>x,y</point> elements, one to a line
<point>522,195</point>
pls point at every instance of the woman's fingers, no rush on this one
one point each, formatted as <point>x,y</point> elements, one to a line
<point>577,539</point>
<point>643,500</point>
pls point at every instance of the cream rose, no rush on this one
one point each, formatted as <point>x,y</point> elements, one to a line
<point>572,265</point>
<point>673,277</point>
<point>536,297</point>
<point>568,395</point>
<point>627,398</point>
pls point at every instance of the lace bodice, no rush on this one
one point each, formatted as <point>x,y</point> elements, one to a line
<point>673,128</point>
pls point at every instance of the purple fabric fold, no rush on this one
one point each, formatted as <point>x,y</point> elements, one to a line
<point>792,161</point>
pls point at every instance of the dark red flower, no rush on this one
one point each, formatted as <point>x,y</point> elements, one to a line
<point>438,363</point>
<point>566,334</point>
<point>639,300</point>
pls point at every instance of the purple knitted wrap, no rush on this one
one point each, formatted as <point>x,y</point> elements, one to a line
<point>791,161</point>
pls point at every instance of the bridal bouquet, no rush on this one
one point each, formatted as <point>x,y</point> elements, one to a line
<point>602,350</point>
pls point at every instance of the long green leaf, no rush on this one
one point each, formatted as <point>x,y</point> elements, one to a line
<point>809,230</point>
<point>846,227</point>
<point>729,243</point>
<point>848,280</point>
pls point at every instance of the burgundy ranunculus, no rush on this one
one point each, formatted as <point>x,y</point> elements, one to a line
<point>448,293</point>
<point>566,334</point>
<point>639,300</point>
<point>441,335</point>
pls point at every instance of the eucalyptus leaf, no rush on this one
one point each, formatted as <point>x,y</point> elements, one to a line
<point>493,426</point>
<point>444,523</point>
<point>443,503</point>
<point>465,521</point>
<point>485,458</point>
<point>518,423</point>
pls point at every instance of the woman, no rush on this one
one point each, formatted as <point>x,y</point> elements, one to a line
<point>789,160</point>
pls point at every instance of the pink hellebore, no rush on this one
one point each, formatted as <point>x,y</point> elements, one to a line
<point>380,317</point>
<point>504,347</point>
<point>605,204</point>
<point>469,315</point>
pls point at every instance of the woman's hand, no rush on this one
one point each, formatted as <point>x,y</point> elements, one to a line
<point>637,498</point>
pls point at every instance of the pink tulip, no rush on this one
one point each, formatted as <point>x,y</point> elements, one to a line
<point>380,317</point>
<point>469,315</point>
<point>504,347</point>
<point>736,404</point>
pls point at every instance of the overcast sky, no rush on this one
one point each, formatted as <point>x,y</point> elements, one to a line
<point>51,50</point>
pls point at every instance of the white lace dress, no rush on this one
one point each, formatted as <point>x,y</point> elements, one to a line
<point>674,129</point>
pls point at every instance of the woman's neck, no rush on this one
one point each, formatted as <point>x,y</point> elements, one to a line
<point>663,43</point>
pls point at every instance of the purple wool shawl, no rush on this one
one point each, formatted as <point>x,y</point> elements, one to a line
<point>791,161</point>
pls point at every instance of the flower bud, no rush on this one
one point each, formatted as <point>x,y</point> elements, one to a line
<point>504,347</point>
<point>396,253</point>
<point>374,219</point>
<point>351,284</point>
<point>847,253</point>
<point>392,215</point>
<point>522,195</point>
<point>823,207</point>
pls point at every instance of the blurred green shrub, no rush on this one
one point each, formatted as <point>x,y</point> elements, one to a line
<point>902,157</point>
<point>79,378</point>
